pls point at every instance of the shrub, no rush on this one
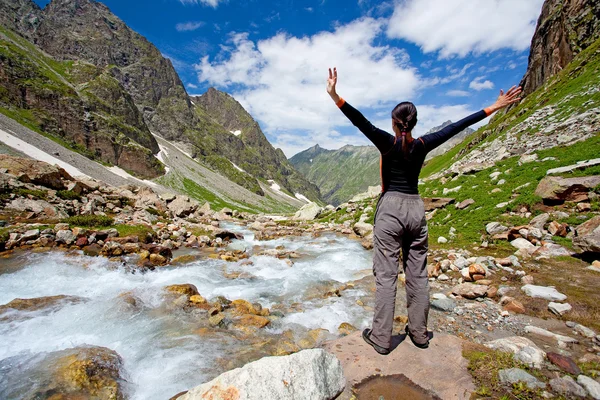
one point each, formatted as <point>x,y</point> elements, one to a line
<point>89,221</point>
<point>68,195</point>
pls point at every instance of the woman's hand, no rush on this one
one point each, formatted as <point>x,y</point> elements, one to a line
<point>506,99</point>
<point>331,82</point>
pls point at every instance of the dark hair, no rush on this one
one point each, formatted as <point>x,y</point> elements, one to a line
<point>405,118</point>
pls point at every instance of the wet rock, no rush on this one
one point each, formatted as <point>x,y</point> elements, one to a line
<point>308,374</point>
<point>40,303</point>
<point>543,292</point>
<point>253,320</point>
<point>553,189</point>
<point>241,307</point>
<point>515,375</point>
<point>590,385</point>
<point>92,250</point>
<point>78,373</point>
<point>31,234</point>
<point>217,320</point>
<point>367,242</point>
<point>559,309</point>
<point>470,290</point>
<point>345,328</point>
<point>186,289</point>
<point>494,228</point>
<point>65,236</point>
<point>567,387</point>
<point>228,235</point>
<point>112,249</point>
<point>523,349</point>
<point>81,241</point>
<point>563,362</point>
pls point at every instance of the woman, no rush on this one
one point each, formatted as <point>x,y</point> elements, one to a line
<point>400,222</point>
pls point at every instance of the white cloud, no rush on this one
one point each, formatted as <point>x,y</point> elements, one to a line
<point>189,26</point>
<point>459,27</point>
<point>479,84</point>
<point>212,3</point>
<point>192,86</point>
<point>281,80</point>
<point>457,93</point>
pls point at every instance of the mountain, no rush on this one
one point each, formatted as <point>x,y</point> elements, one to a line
<point>341,174</point>
<point>450,143</point>
<point>564,29</point>
<point>76,73</point>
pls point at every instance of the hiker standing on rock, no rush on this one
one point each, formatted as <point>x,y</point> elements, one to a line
<point>400,214</point>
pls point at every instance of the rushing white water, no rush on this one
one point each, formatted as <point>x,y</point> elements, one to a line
<point>162,355</point>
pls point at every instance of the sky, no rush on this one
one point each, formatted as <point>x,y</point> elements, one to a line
<point>449,57</point>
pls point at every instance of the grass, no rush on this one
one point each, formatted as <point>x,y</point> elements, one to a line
<point>68,195</point>
<point>145,233</point>
<point>484,366</point>
<point>88,221</point>
<point>470,222</point>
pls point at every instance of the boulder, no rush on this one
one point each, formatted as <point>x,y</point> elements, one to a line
<point>552,250</point>
<point>33,171</point>
<point>524,350</point>
<point>558,229</point>
<point>587,236</point>
<point>515,375</point>
<point>540,221</point>
<point>436,202</point>
<point>563,362</point>
<point>40,303</point>
<point>308,374</point>
<point>567,387</point>
<point>308,212</point>
<point>465,203</point>
<point>521,243</point>
<point>86,372</point>
<point>590,385</point>
<point>554,189</point>
<point>447,304</point>
<point>470,290</point>
<point>494,228</point>
<point>182,206</point>
<point>543,292</point>
<point>65,236</point>
<point>559,309</point>
<point>228,235</point>
<point>362,229</point>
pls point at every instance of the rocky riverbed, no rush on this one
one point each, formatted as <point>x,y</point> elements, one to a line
<point>172,289</point>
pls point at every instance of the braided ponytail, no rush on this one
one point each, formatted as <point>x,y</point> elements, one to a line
<point>405,118</point>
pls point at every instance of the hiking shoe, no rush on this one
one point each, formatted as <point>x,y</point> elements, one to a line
<point>366,336</point>
<point>419,345</point>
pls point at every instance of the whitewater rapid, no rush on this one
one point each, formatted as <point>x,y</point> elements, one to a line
<point>162,354</point>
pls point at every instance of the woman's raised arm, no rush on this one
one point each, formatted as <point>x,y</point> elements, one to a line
<point>381,139</point>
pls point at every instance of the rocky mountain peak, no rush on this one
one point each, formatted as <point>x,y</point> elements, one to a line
<point>22,16</point>
<point>564,29</point>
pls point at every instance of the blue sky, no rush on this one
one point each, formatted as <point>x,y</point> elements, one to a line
<point>450,57</point>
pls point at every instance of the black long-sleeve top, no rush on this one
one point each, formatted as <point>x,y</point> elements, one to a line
<point>400,173</point>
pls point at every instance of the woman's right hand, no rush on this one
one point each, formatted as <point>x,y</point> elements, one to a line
<point>331,83</point>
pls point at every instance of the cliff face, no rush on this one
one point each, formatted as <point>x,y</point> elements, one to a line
<point>564,29</point>
<point>104,88</point>
<point>248,147</point>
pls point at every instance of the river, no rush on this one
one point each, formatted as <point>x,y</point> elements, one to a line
<point>162,352</point>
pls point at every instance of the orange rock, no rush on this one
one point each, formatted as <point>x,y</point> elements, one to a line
<point>254,320</point>
<point>514,306</point>
<point>492,291</point>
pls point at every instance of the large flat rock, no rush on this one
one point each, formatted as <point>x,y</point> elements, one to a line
<point>440,369</point>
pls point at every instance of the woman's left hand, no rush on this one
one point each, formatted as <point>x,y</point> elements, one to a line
<point>508,98</point>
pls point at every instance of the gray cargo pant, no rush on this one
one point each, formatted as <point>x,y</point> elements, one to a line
<point>400,224</point>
